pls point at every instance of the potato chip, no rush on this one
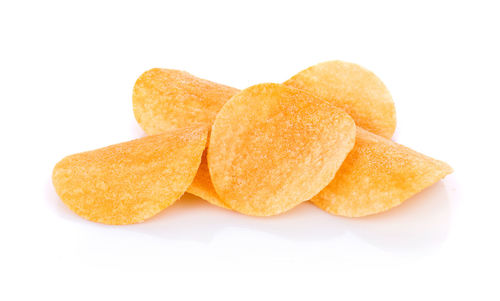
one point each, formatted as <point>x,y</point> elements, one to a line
<point>378,175</point>
<point>166,99</point>
<point>129,182</point>
<point>353,88</point>
<point>273,147</point>
<point>202,185</point>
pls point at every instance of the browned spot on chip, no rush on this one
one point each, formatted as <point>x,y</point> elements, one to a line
<point>378,175</point>
<point>129,182</point>
<point>273,147</point>
<point>166,99</point>
<point>353,88</point>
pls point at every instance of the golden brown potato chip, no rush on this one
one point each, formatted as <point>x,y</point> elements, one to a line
<point>353,88</point>
<point>273,147</point>
<point>202,185</point>
<point>166,99</point>
<point>378,175</point>
<point>129,182</point>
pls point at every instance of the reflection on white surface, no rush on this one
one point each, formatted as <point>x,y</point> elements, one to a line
<point>421,222</point>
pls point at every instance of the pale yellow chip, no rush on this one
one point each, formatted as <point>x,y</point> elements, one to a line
<point>129,182</point>
<point>353,88</point>
<point>378,175</point>
<point>166,99</point>
<point>273,147</point>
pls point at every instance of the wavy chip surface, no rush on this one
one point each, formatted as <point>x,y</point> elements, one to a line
<point>273,147</point>
<point>353,88</point>
<point>378,175</point>
<point>165,99</point>
<point>129,182</point>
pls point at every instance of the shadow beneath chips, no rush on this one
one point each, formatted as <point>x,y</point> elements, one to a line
<point>421,223</point>
<point>395,135</point>
<point>136,130</point>
<point>194,219</point>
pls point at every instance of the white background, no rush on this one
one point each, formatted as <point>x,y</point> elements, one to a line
<point>66,75</point>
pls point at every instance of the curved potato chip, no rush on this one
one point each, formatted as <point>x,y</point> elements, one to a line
<point>273,147</point>
<point>202,185</point>
<point>129,182</point>
<point>166,99</point>
<point>353,88</point>
<point>378,175</point>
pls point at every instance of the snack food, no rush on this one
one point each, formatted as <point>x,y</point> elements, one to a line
<point>273,147</point>
<point>202,185</point>
<point>378,175</point>
<point>353,88</point>
<point>165,99</point>
<point>129,182</point>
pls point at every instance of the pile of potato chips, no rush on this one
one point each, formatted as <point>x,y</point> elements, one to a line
<point>322,136</point>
